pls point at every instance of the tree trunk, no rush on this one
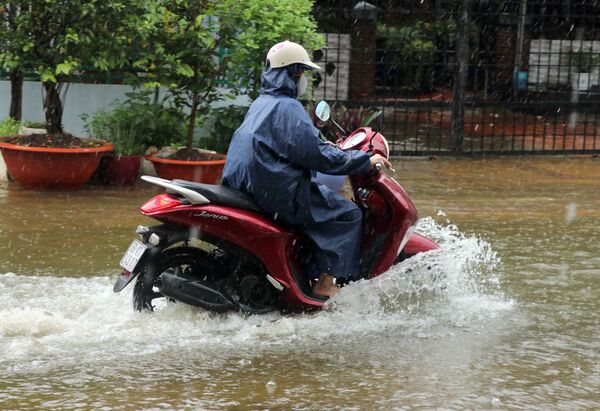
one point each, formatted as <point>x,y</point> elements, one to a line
<point>16,95</point>
<point>156,94</point>
<point>192,125</point>
<point>52,108</point>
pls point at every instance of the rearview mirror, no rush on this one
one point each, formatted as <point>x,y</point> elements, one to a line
<point>323,111</point>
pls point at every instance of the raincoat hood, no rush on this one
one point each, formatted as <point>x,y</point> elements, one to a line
<point>277,81</point>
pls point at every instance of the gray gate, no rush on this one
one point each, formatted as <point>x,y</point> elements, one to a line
<point>466,76</point>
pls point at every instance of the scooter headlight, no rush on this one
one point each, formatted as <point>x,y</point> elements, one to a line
<point>354,140</point>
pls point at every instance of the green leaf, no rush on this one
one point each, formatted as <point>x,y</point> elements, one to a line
<point>63,68</point>
<point>185,71</point>
<point>48,76</point>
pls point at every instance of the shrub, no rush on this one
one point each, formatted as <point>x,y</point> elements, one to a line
<point>137,123</point>
<point>9,126</point>
<point>217,127</point>
<point>583,61</point>
<point>410,49</point>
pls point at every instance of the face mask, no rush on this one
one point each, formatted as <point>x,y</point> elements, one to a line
<point>302,85</point>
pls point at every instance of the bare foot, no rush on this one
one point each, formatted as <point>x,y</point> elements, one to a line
<point>325,287</point>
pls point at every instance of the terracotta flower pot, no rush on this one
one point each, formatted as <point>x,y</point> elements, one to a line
<point>208,171</point>
<point>119,170</point>
<point>52,168</point>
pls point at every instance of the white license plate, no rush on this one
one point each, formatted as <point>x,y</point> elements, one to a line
<point>132,255</point>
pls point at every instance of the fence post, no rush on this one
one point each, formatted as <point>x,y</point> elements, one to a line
<point>362,53</point>
<point>519,49</point>
<point>460,75</point>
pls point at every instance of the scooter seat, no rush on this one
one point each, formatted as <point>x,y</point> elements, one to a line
<point>222,195</point>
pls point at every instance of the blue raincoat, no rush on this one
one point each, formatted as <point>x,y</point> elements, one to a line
<point>273,157</point>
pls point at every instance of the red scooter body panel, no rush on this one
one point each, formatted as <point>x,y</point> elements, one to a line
<point>389,212</point>
<point>419,244</point>
<point>272,243</point>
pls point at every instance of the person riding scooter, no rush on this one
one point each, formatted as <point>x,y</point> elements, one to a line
<point>273,157</point>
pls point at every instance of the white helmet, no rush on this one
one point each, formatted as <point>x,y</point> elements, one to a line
<point>286,53</point>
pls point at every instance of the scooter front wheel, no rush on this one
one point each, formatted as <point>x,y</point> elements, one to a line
<point>180,261</point>
<point>401,257</point>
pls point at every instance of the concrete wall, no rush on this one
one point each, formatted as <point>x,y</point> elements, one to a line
<point>80,99</point>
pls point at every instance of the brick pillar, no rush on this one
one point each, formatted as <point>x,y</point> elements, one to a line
<point>362,54</point>
<point>362,60</point>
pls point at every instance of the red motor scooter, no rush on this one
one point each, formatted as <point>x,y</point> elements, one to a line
<point>216,249</point>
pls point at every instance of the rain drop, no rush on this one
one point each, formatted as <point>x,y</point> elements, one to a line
<point>571,212</point>
<point>271,386</point>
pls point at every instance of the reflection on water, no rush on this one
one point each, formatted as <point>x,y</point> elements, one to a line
<point>502,316</point>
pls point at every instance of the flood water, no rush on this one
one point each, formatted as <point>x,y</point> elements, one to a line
<point>506,317</point>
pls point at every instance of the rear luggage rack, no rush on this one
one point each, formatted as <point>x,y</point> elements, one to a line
<point>190,195</point>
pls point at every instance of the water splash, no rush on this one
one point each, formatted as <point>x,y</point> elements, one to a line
<point>23,322</point>
<point>461,277</point>
<point>79,320</point>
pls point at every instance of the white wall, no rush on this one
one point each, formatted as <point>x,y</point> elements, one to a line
<point>80,99</point>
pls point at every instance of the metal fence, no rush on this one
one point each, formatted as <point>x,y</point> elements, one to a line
<point>466,76</point>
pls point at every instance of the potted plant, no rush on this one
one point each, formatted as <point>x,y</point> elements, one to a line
<point>51,162</point>
<point>191,34</point>
<point>132,126</point>
<point>122,165</point>
<point>96,40</point>
<point>205,46</point>
<point>582,62</point>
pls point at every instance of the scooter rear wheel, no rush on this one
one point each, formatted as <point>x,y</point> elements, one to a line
<point>181,261</point>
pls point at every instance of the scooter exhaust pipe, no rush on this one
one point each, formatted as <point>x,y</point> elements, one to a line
<point>196,293</point>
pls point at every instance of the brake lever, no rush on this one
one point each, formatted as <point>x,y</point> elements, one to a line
<point>379,166</point>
